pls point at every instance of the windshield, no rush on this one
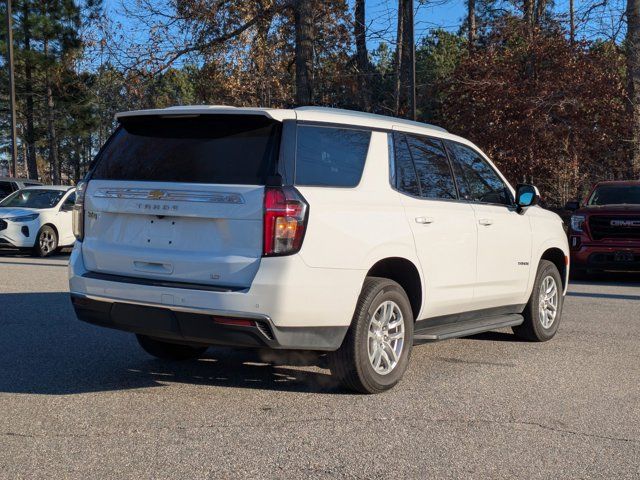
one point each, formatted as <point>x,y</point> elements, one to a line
<point>33,198</point>
<point>615,195</point>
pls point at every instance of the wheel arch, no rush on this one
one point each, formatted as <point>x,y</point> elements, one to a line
<point>406,274</point>
<point>556,256</point>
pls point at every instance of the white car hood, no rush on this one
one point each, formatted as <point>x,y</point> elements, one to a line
<point>9,212</point>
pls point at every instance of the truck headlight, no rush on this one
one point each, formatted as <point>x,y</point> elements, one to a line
<point>577,221</point>
<point>24,218</point>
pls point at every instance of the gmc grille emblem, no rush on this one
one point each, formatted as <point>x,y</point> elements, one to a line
<point>625,223</point>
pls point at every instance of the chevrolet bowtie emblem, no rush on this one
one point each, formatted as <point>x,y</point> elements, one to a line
<point>156,194</point>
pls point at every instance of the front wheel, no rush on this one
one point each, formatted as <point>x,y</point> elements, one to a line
<point>542,313</point>
<point>375,352</point>
<point>169,351</point>
<point>46,242</point>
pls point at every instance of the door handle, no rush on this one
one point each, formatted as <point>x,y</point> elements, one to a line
<point>424,220</point>
<point>485,221</point>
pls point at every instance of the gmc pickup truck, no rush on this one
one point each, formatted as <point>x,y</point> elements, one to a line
<point>604,234</point>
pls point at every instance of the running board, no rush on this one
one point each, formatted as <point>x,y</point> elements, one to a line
<point>466,328</point>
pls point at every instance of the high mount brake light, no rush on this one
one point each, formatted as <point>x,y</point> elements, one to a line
<point>285,221</point>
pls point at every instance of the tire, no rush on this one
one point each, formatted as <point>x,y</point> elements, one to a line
<point>538,327</point>
<point>169,351</point>
<point>46,242</point>
<point>351,362</point>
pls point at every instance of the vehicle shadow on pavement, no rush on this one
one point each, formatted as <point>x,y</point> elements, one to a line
<point>44,349</point>
<point>496,337</point>
<point>62,254</point>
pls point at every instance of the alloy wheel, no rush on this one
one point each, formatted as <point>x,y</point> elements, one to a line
<point>385,339</point>
<point>548,304</point>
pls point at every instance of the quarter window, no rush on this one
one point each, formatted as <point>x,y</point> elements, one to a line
<point>422,167</point>
<point>331,157</point>
<point>5,189</point>
<point>477,180</point>
<point>71,200</point>
<point>406,177</point>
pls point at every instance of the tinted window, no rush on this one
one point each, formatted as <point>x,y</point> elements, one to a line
<point>477,181</point>
<point>432,167</point>
<point>71,200</point>
<point>229,149</point>
<point>36,198</point>
<point>5,189</point>
<point>327,156</point>
<point>406,177</point>
<point>422,167</point>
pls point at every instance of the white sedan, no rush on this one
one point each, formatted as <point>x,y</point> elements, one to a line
<point>38,218</point>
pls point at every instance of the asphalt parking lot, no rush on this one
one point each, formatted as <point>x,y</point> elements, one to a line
<point>77,401</point>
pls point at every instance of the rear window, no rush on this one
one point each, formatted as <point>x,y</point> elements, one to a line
<point>329,156</point>
<point>228,149</point>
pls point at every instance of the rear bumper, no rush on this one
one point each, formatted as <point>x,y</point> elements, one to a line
<point>304,308</point>
<point>203,327</point>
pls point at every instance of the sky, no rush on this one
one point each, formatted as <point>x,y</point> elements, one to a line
<point>381,17</point>
<point>449,15</point>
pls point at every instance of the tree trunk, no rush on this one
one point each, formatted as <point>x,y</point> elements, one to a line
<point>51,125</point>
<point>633,80</point>
<point>405,69</point>
<point>30,137</point>
<point>362,56</point>
<point>529,8</point>
<point>540,7</point>
<point>572,23</point>
<point>76,159</point>
<point>303,18</point>
<point>471,22</point>
<point>397,88</point>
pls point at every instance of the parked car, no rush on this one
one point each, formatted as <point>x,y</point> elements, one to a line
<point>9,185</point>
<point>605,229</point>
<point>38,218</point>
<point>309,229</point>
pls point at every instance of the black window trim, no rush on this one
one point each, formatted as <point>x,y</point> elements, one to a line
<point>510,206</point>
<point>393,178</point>
<point>334,126</point>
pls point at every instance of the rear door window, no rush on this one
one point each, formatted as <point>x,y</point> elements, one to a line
<point>477,180</point>
<point>330,156</point>
<point>422,167</point>
<point>224,149</point>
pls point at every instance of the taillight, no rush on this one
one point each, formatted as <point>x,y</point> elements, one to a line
<point>78,211</point>
<point>285,217</point>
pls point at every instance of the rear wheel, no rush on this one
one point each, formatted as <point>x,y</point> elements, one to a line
<point>169,351</point>
<point>542,313</point>
<point>375,352</point>
<point>46,242</point>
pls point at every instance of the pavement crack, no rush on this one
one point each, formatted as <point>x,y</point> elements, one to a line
<point>330,419</point>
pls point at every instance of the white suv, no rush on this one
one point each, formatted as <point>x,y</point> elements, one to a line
<point>311,228</point>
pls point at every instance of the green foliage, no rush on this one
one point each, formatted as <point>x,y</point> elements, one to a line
<point>437,58</point>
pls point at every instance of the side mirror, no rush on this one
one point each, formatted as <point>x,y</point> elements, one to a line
<point>66,208</point>
<point>572,206</point>
<point>526,196</point>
